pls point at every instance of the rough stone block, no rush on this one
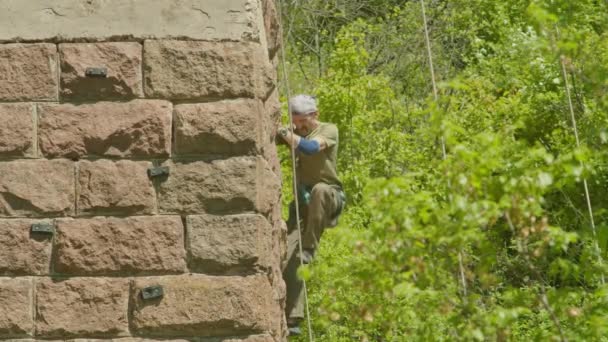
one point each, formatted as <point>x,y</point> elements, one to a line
<point>110,19</point>
<point>17,134</point>
<point>16,316</point>
<point>112,245</point>
<point>28,72</point>
<point>22,252</point>
<point>253,338</point>
<point>81,307</point>
<point>220,128</point>
<point>199,305</point>
<point>221,186</point>
<point>271,26</point>
<point>139,128</point>
<point>133,339</point>
<point>121,187</point>
<point>122,62</point>
<point>221,243</point>
<point>35,188</point>
<point>182,70</point>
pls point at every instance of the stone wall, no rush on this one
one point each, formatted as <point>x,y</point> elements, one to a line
<point>136,156</point>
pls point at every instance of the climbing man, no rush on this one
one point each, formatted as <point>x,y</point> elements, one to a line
<point>320,195</point>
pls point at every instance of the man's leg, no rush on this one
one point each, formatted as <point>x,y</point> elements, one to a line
<point>323,204</point>
<point>294,306</point>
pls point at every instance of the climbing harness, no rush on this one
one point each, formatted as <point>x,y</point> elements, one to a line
<point>293,169</point>
<point>443,148</point>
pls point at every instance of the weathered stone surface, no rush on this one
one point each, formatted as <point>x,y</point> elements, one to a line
<point>271,26</point>
<point>17,133</point>
<point>222,128</point>
<point>201,305</point>
<point>81,307</point>
<point>139,128</point>
<point>221,243</point>
<point>121,60</point>
<point>103,20</point>
<point>222,186</point>
<point>253,338</point>
<point>22,252</point>
<point>132,339</point>
<point>112,245</point>
<point>28,72</point>
<point>121,187</point>
<point>36,188</point>
<point>16,317</point>
<point>183,70</point>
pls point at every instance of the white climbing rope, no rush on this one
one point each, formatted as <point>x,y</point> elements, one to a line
<point>578,144</point>
<point>463,280</point>
<point>293,169</point>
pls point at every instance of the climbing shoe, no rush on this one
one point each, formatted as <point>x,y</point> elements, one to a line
<point>294,331</point>
<point>307,255</point>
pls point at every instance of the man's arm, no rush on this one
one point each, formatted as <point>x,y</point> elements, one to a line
<point>306,146</point>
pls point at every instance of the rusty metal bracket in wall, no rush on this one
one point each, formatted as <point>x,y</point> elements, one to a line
<point>158,171</point>
<point>96,72</point>
<point>152,292</point>
<point>43,228</point>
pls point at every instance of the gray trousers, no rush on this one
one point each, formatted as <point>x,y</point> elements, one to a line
<point>318,215</point>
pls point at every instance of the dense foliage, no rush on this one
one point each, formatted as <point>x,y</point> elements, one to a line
<point>495,241</point>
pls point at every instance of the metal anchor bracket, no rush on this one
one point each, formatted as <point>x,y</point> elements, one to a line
<point>151,292</point>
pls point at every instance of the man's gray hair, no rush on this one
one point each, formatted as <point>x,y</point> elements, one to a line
<point>302,104</point>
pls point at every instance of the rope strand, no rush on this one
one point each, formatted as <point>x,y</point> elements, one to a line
<point>293,169</point>
<point>585,186</point>
<point>463,280</point>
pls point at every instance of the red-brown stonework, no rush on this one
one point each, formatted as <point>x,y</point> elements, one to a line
<point>199,305</point>
<point>22,252</point>
<point>121,187</point>
<point>222,243</point>
<point>114,246</point>
<point>139,128</point>
<point>36,188</point>
<point>271,26</point>
<point>28,72</point>
<point>122,61</point>
<point>81,307</point>
<point>232,127</point>
<point>16,317</point>
<point>186,70</point>
<point>17,130</point>
<point>221,186</point>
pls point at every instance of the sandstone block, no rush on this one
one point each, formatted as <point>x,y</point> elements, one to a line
<point>199,305</point>
<point>271,26</point>
<point>81,307</point>
<point>121,60</point>
<point>132,339</point>
<point>181,70</point>
<point>221,128</point>
<point>17,130</point>
<point>22,252</point>
<point>221,186</point>
<point>253,338</point>
<point>103,20</point>
<point>36,188</point>
<point>139,128</point>
<point>112,245</point>
<point>220,243</point>
<point>272,111</point>
<point>28,72</point>
<point>16,317</point>
<point>121,187</point>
